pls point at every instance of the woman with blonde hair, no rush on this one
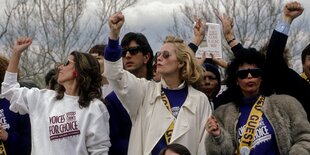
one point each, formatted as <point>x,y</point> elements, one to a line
<point>170,111</point>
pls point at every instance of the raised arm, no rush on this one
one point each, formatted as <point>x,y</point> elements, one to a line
<point>20,45</point>
<point>228,31</point>
<point>199,34</point>
<point>275,58</point>
<point>129,89</point>
<point>10,88</point>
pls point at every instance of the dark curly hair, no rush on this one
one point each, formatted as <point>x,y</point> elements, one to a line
<point>88,79</point>
<point>250,56</point>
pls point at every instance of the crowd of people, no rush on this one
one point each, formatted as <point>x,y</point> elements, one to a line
<point>122,98</point>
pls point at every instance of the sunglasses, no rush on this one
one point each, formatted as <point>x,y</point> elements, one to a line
<point>255,73</point>
<point>165,54</point>
<point>68,62</point>
<point>132,51</point>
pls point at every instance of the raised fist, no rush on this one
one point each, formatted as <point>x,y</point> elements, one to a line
<point>292,10</point>
<point>21,44</point>
<point>116,22</point>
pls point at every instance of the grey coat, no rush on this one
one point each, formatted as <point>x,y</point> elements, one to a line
<point>287,117</point>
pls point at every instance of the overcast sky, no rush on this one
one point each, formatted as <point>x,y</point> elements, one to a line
<point>152,17</point>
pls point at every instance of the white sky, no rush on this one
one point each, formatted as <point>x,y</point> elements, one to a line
<point>152,17</point>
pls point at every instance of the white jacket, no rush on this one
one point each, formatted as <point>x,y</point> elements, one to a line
<point>59,126</point>
<point>150,117</point>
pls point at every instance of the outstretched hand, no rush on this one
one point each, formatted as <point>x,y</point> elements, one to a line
<point>292,10</point>
<point>116,22</point>
<point>21,44</point>
<point>227,23</point>
<point>199,31</point>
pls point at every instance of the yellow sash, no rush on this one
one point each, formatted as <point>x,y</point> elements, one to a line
<point>304,76</point>
<point>251,125</point>
<point>2,149</point>
<point>169,131</point>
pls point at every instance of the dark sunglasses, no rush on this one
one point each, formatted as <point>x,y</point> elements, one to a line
<point>68,62</point>
<point>165,54</point>
<point>255,73</point>
<point>132,51</point>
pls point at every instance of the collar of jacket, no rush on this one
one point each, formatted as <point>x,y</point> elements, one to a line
<point>188,103</point>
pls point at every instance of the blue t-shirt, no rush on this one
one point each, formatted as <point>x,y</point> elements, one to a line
<point>264,140</point>
<point>176,99</point>
<point>18,128</point>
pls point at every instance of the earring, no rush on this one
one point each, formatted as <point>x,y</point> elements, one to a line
<point>75,74</point>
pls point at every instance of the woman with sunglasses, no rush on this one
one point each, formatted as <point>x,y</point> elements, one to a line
<point>254,122</point>
<point>71,120</point>
<point>169,111</point>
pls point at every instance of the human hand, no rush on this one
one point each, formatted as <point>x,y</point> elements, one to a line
<point>3,134</point>
<point>116,22</point>
<point>21,44</point>
<point>292,10</point>
<point>199,31</point>
<point>219,61</point>
<point>227,24</point>
<point>212,127</point>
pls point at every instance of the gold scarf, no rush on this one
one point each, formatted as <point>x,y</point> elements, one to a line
<point>304,76</point>
<point>251,125</point>
<point>2,149</point>
<point>169,131</point>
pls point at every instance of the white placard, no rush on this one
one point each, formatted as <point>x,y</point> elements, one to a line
<point>212,42</point>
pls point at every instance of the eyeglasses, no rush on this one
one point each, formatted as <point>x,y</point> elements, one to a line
<point>68,62</point>
<point>255,73</point>
<point>165,54</point>
<point>132,51</point>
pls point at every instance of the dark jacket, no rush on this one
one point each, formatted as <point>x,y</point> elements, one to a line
<point>18,128</point>
<point>283,79</point>
<point>120,125</point>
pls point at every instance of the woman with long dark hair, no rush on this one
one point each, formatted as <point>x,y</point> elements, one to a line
<point>71,120</point>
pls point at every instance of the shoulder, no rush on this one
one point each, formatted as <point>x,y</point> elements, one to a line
<point>196,93</point>
<point>229,107</point>
<point>281,99</point>
<point>226,110</point>
<point>97,105</point>
<point>284,102</point>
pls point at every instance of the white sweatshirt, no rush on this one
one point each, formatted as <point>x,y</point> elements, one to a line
<point>59,126</point>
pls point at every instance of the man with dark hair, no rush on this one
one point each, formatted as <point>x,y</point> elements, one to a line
<point>137,55</point>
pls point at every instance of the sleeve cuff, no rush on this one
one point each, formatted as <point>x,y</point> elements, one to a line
<point>193,47</point>
<point>10,77</point>
<point>283,27</point>
<point>113,51</point>
<point>113,43</point>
